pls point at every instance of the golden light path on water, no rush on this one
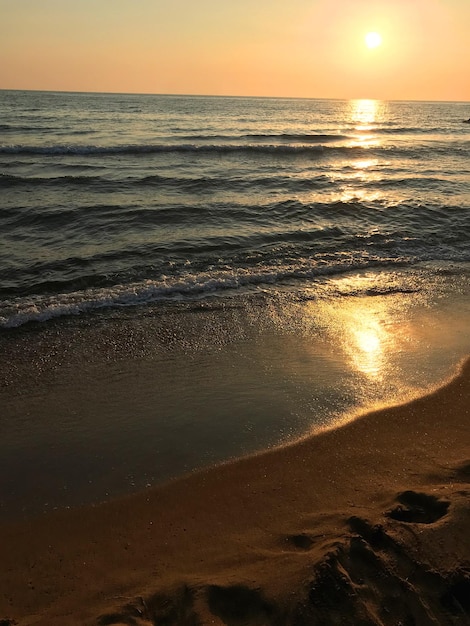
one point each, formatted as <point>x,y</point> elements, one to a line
<point>369,338</point>
<point>366,336</point>
<point>369,335</point>
<point>366,113</point>
<point>366,346</point>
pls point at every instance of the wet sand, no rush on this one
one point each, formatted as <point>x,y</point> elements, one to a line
<point>365,524</point>
<point>93,408</point>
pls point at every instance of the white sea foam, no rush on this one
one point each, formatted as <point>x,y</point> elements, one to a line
<point>46,307</point>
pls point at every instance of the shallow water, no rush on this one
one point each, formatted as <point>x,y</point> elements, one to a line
<point>101,407</point>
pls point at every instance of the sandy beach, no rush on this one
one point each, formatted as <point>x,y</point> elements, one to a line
<point>364,524</point>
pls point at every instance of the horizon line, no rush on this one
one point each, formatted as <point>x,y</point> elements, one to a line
<point>202,95</point>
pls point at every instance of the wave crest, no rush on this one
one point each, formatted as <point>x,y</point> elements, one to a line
<point>44,308</point>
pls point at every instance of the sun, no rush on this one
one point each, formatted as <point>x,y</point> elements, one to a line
<point>373,40</point>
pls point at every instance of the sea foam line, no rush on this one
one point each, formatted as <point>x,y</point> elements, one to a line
<point>44,308</point>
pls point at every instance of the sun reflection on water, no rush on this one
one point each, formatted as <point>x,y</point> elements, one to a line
<point>365,342</point>
<point>367,330</point>
<point>364,113</point>
<point>364,164</point>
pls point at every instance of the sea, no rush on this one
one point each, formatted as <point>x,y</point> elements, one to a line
<point>185,280</point>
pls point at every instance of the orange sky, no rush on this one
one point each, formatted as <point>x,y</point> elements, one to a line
<point>300,48</point>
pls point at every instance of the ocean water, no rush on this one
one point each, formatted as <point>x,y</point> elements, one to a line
<point>187,279</point>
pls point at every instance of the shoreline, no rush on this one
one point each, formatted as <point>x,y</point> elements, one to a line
<point>367,522</point>
<point>204,385</point>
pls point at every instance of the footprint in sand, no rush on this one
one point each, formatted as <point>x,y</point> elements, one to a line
<point>238,604</point>
<point>418,508</point>
<point>301,541</point>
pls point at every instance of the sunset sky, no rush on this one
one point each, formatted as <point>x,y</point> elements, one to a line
<point>298,48</point>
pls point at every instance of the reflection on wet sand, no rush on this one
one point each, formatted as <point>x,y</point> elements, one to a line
<point>366,347</point>
<point>369,335</point>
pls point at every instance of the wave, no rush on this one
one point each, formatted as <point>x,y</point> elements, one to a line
<point>9,180</point>
<point>314,150</point>
<point>400,130</point>
<point>203,184</point>
<point>187,183</point>
<point>190,288</point>
<point>351,133</point>
<point>221,222</point>
<point>299,137</point>
<point>17,128</point>
<point>138,149</point>
<point>265,137</point>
